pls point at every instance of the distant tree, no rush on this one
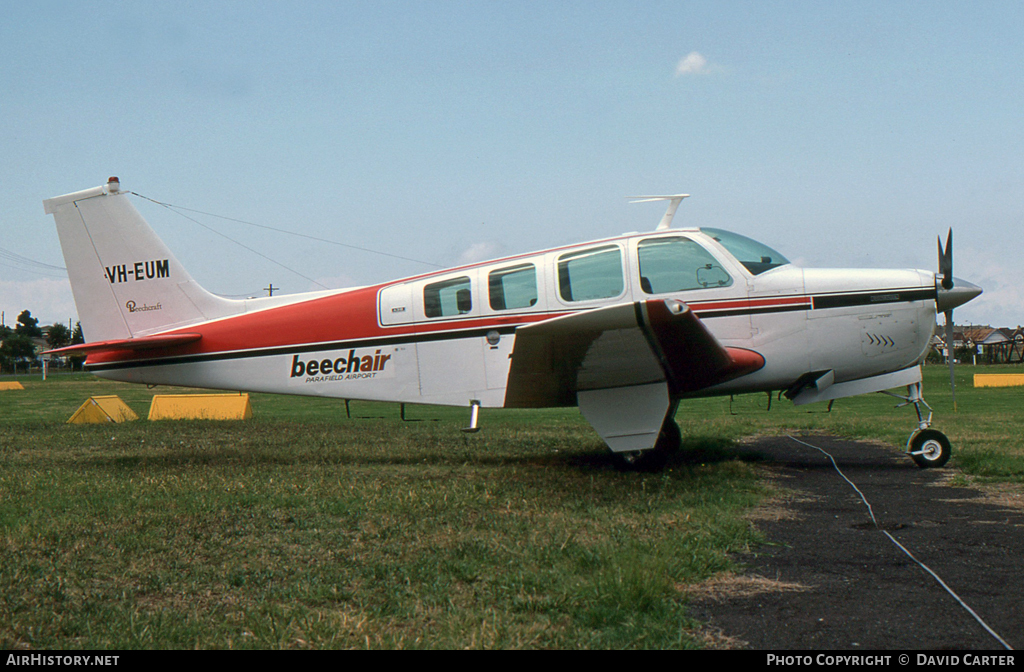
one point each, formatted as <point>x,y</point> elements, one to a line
<point>16,349</point>
<point>76,338</point>
<point>5,333</point>
<point>58,335</point>
<point>28,326</point>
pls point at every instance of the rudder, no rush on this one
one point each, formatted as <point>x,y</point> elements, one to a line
<point>125,281</point>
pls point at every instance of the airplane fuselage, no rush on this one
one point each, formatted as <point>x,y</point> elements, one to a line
<point>411,340</point>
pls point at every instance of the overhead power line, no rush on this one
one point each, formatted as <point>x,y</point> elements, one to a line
<point>227,237</point>
<point>20,262</point>
<point>177,208</point>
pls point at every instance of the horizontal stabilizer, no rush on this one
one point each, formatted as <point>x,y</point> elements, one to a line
<point>142,343</point>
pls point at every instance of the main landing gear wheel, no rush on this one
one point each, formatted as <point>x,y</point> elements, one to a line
<point>669,440</point>
<point>930,448</point>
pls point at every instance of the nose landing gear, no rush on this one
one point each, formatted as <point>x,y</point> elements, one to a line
<point>929,448</point>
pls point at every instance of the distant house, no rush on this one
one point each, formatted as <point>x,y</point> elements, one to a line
<point>982,343</point>
<point>40,344</point>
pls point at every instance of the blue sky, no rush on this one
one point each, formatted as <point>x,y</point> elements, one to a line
<point>842,134</point>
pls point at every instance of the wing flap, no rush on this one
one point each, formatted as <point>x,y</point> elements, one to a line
<point>596,348</point>
<point>625,345</point>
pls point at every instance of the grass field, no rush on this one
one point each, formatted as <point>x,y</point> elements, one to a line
<point>303,528</point>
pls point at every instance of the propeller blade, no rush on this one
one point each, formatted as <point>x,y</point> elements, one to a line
<point>946,261</point>
<point>949,349</point>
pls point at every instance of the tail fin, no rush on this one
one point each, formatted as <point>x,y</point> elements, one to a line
<point>125,281</point>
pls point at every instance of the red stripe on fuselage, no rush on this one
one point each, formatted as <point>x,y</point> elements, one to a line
<point>351,316</point>
<point>348,316</point>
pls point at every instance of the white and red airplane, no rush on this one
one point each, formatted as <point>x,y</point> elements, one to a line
<point>623,327</point>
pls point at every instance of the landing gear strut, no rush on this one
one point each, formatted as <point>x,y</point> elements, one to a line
<point>929,448</point>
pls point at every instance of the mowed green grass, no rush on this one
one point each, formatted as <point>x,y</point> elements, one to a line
<point>303,528</point>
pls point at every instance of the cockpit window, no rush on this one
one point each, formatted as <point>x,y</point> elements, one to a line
<point>755,257</point>
<point>677,264</point>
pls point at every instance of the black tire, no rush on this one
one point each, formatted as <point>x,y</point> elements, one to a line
<point>670,437</point>
<point>930,449</point>
<point>653,460</point>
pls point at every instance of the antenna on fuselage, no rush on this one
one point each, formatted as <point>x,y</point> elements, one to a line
<point>674,201</point>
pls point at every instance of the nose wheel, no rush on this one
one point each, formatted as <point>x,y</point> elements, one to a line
<point>929,448</point>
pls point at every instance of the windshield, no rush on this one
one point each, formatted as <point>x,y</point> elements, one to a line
<point>755,257</point>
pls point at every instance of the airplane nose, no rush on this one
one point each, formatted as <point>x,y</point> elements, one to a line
<point>961,292</point>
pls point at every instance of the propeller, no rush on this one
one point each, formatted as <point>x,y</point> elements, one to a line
<point>946,271</point>
<point>946,261</point>
<point>950,292</point>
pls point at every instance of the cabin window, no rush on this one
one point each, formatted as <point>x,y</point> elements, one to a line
<point>591,274</point>
<point>676,265</point>
<point>448,297</point>
<point>513,287</point>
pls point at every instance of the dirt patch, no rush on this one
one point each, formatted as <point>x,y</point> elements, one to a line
<point>780,507</point>
<point>1010,497</point>
<point>713,638</point>
<point>730,586</point>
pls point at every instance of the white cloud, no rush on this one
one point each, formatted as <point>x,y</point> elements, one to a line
<point>480,252</point>
<point>692,64</point>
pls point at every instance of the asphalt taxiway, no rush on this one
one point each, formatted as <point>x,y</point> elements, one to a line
<point>829,578</point>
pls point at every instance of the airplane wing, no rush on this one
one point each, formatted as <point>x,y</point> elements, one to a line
<point>658,341</point>
<point>141,343</point>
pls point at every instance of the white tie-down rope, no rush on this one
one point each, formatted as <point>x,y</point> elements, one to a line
<point>904,549</point>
